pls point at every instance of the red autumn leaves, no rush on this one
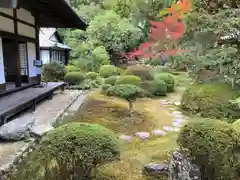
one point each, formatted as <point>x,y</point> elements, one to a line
<point>163,34</point>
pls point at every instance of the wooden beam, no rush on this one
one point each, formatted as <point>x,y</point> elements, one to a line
<point>18,82</point>
<point>9,35</point>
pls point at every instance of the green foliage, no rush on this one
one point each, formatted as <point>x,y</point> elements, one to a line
<point>71,68</point>
<point>155,62</point>
<point>109,30</point>
<point>91,75</point>
<point>168,79</point>
<point>210,100</point>
<point>236,126</point>
<point>108,70</point>
<point>126,91</point>
<point>74,78</point>
<point>158,88</point>
<point>88,12</point>
<point>129,79</point>
<point>53,71</point>
<point>105,87</point>
<point>71,150</point>
<point>161,69</point>
<point>111,80</point>
<point>100,57</point>
<point>91,83</point>
<point>213,146</point>
<point>144,72</point>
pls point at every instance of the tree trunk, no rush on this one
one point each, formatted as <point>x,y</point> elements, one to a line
<point>130,107</point>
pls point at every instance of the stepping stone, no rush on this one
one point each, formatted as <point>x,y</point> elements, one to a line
<point>178,116</point>
<point>142,135</point>
<point>175,124</point>
<point>164,102</point>
<point>126,138</point>
<point>158,132</point>
<point>177,112</point>
<point>168,128</point>
<point>177,103</point>
<point>176,129</point>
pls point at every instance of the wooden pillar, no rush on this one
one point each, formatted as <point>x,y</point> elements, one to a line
<point>16,50</point>
<point>66,57</point>
<point>37,45</point>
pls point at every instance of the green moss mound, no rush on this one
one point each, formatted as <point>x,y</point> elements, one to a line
<point>108,70</point>
<point>72,149</point>
<point>210,100</point>
<point>91,75</point>
<point>74,78</point>
<point>212,145</point>
<point>129,79</point>
<point>142,71</point>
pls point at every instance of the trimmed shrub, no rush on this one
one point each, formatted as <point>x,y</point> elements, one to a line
<point>91,83</point>
<point>71,68</point>
<point>108,70</point>
<point>144,72</point>
<point>74,149</point>
<point>162,69</point>
<point>105,87</point>
<point>129,79</point>
<point>111,80</point>
<point>168,79</point>
<point>74,78</point>
<point>211,100</point>
<point>158,88</point>
<point>212,145</point>
<point>154,62</point>
<point>91,75</point>
<point>53,71</point>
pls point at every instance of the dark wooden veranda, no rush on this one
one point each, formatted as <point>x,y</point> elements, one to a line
<point>18,101</point>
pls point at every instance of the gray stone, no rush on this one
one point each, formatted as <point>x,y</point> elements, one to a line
<point>180,168</point>
<point>155,170</point>
<point>142,135</point>
<point>17,129</point>
<point>126,138</point>
<point>158,132</point>
<point>40,130</point>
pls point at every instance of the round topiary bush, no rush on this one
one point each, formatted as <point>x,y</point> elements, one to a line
<point>91,75</point>
<point>111,80</point>
<point>71,150</point>
<point>53,72</point>
<point>144,72</point>
<point>71,68</point>
<point>159,88</point>
<point>108,70</point>
<point>210,100</point>
<point>213,146</point>
<point>105,87</point>
<point>74,78</point>
<point>129,79</point>
<point>168,79</point>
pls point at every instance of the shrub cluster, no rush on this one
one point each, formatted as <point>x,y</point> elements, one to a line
<point>111,80</point>
<point>53,71</point>
<point>91,75</point>
<point>71,68</point>
<point>71,150</point>
<point>129,79</point>
<point>168,79</point>
<point>213,146</point>
<point>108,70</point>
<point>210,100</point>
<point>74,78</point>
<point>144,72</point>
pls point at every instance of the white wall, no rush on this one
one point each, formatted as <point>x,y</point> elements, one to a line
<point>2,74</point>
<point>45,56</point>
<point>26,30</point>
<point>6,24</point>
<point>7,11</point>
<point>31,57</point>
<point>25,16</point>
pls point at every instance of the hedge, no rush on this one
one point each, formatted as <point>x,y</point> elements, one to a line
<point>74,78</point>
<point>129,79</point>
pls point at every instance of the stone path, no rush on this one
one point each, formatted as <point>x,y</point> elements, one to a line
<point>178,121</point>
<point>47,113</point>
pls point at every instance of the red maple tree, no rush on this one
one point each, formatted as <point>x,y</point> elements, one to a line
<point>164,34</point>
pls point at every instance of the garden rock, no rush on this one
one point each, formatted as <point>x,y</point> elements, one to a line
<point>180,168</point>
<point>155,170</point>
<point>158,132</point>
<point>40,130</point>
<point>17,129</point>
<point>167,128</point>
<point>142,135</point>
<point>125,137</point>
